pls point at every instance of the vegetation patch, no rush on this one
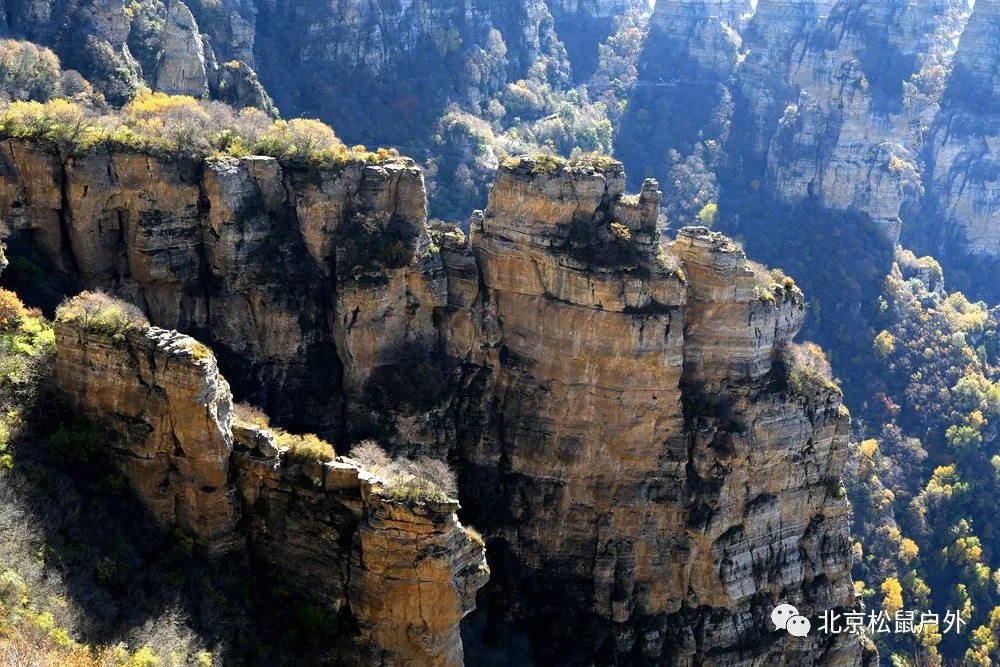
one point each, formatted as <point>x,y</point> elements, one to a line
<point>98,312</point>
<point>180,126</point>
<point>807,371</point>
<point>409,480</point>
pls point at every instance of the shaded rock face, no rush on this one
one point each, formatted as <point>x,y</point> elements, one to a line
<point>852,138</point>
<point>679,113</point>
<point>582,25</point>
<point>405,574</point>
<point>159,44</point>
<point>638,460</point>
<point>834,103</point>
<point>410,58</point>
<point>283,271</point>
<point>964,186</point>
<point>649,485</point>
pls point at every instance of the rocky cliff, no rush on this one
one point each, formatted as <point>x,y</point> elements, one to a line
<point>119,46</point>
<point>852,138</point>
<point>304,282</point>
<point>963,170</point>
<point>640,460</point>
<point>634,429</point>
<point>829,103</point>
<point>405,572</point>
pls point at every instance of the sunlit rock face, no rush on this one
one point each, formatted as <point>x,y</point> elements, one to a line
<point>619,411</point>
<point>640,472</point>
<point>404,572</point>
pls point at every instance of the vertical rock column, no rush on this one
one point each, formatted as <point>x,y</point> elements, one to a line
<point>161,396</point>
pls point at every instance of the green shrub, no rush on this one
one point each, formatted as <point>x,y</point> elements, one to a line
<point>100,313</point>
<point>76,444</point>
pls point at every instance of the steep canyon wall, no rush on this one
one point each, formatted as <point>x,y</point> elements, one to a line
<point>621,413</point>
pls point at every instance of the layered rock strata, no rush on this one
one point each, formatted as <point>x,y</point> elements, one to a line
<point>305,283</point>
<point>641,459</point>
<point>406,572</point>
<point>851,136</point>
<point>963,174</point>
<point>620,412</point>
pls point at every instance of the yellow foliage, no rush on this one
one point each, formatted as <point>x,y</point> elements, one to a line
<point>892,592</point>
<point>869,447</point>
<point>885,344</point>
<point>12,311</point>
<point>908,550</point>
<point>708,214</point>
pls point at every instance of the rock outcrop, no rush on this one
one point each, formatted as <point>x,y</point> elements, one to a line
<point>303,283</point>
<point>118,48</point>
<point>964,187</point>
<point>641,461</point>
<point>171,412</point>
<point>621,413</point>
<point>851,138</point>
<point>182,68</point>
<point>406,572</point>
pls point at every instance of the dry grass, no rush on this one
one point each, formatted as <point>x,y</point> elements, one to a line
<point>251,414</point>
<point>414,480</point>
<point>306,447</point>
<point>101,313</point>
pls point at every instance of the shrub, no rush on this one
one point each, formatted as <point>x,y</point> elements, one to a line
<point>61,122</point>
<point>620,231</point>
<point>28,71</point>
<point>370,455</point>
<point>807,370</point>
<point>412,480</point>
<point>251,414</point>
<point>476,536</point>
<point>200,351</point>
<point>306,448</point>
<point>12,311</point>
<point>708,214</point>
<point>101,313</point>
<point>303,139</point>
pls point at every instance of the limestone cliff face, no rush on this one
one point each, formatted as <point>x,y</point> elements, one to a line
<point>159,43</point>
<point>304,282</point>
<point>639,460</point>
<point>182,68</point>
<point>171,413</point>
<point>851,138</point>
<point>964,188</point>
<point>619,412</point>
<point>406,573</point>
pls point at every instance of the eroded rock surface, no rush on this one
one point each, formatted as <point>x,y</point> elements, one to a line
<point>649,481</point>
<point>641,460</point>
<point>405,572</point>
